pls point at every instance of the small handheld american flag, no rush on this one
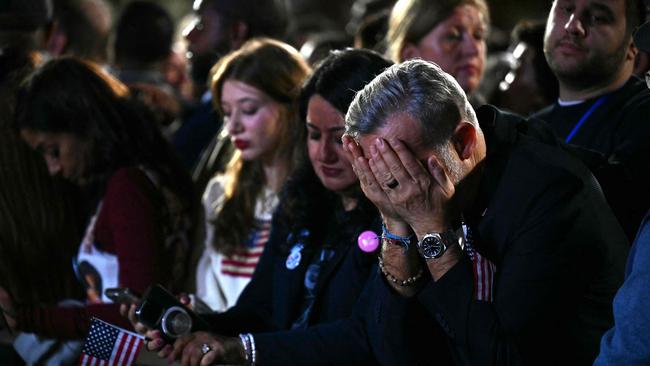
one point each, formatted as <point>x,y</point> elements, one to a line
<point>108,345</point>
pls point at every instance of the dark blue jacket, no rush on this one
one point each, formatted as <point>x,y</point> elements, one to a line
<point>272,301</point>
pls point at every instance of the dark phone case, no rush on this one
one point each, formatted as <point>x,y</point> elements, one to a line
<point>154,302</point>
<point>122,295</point>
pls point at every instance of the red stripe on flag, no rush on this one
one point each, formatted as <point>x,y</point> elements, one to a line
<point>121,338</point>
<point>237,274</point>
<point>248,255</point>
<point>135,349</point>
<point>123,347</point>
<point>127,355</point>
<point>227,262</point>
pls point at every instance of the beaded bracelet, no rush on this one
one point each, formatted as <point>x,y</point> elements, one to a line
<point>403,241</point>
<point>254,351</point>
<point>247,347</point>
<point>248,342</point>
<point>407,282</point>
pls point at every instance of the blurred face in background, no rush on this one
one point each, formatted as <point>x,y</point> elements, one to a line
<point>253,120</point>
<point>457,45</point>
<point>325,127</point>
<point>208,38</point>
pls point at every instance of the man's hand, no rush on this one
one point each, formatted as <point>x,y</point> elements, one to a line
<point>191,350</point>
<point>373,190</point>
<point>422,196</point>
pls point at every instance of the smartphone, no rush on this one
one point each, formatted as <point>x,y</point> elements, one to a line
<point>122,295</point>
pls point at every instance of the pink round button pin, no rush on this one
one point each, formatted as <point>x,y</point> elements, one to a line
<point>368,241</point>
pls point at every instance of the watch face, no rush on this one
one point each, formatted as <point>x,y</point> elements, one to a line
<point>432,246</point>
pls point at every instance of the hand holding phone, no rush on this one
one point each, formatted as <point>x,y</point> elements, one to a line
<point>122,295</point>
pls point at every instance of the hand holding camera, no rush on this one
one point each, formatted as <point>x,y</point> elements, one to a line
<point>159,315</point>
<point>161,310</point>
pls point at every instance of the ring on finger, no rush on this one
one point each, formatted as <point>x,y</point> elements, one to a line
<point>205,348</point>
<point>392,184</point>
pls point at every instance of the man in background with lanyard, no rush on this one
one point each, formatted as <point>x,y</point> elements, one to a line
<point>602,106</point>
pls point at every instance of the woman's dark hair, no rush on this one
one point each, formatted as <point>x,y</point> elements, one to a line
<point>68,95</point>
<point>38,231</point>
<point>340,76</point>
<point>337,79</point>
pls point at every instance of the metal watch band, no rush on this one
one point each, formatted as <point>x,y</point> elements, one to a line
<point>434,245</point>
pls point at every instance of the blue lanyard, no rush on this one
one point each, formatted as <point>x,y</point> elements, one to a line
<point>585,117</point>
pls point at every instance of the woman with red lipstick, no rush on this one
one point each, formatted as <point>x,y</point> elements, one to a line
<point>256,89</point>
<point>451,33</point>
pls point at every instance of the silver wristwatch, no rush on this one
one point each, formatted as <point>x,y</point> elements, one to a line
<point>434,245</point>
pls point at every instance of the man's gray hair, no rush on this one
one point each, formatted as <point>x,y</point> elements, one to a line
<point>419,88</point>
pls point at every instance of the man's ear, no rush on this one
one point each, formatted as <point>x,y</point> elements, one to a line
<point>409,52</point>
<point>632,51</point>
<point>239,34</point>
<point>464,140</point>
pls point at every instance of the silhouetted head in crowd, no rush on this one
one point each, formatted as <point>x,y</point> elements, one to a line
<point>588,44</point>
<point>143,35</point>
<point>24,24</point>
<point>642,42</point>
<point>81,28</point>
<point>318,45</point>
<point>224,25</point>
<point>642,37</point>
<point>451,33</point>
<point>371,33</point>
<point>529,85</point>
